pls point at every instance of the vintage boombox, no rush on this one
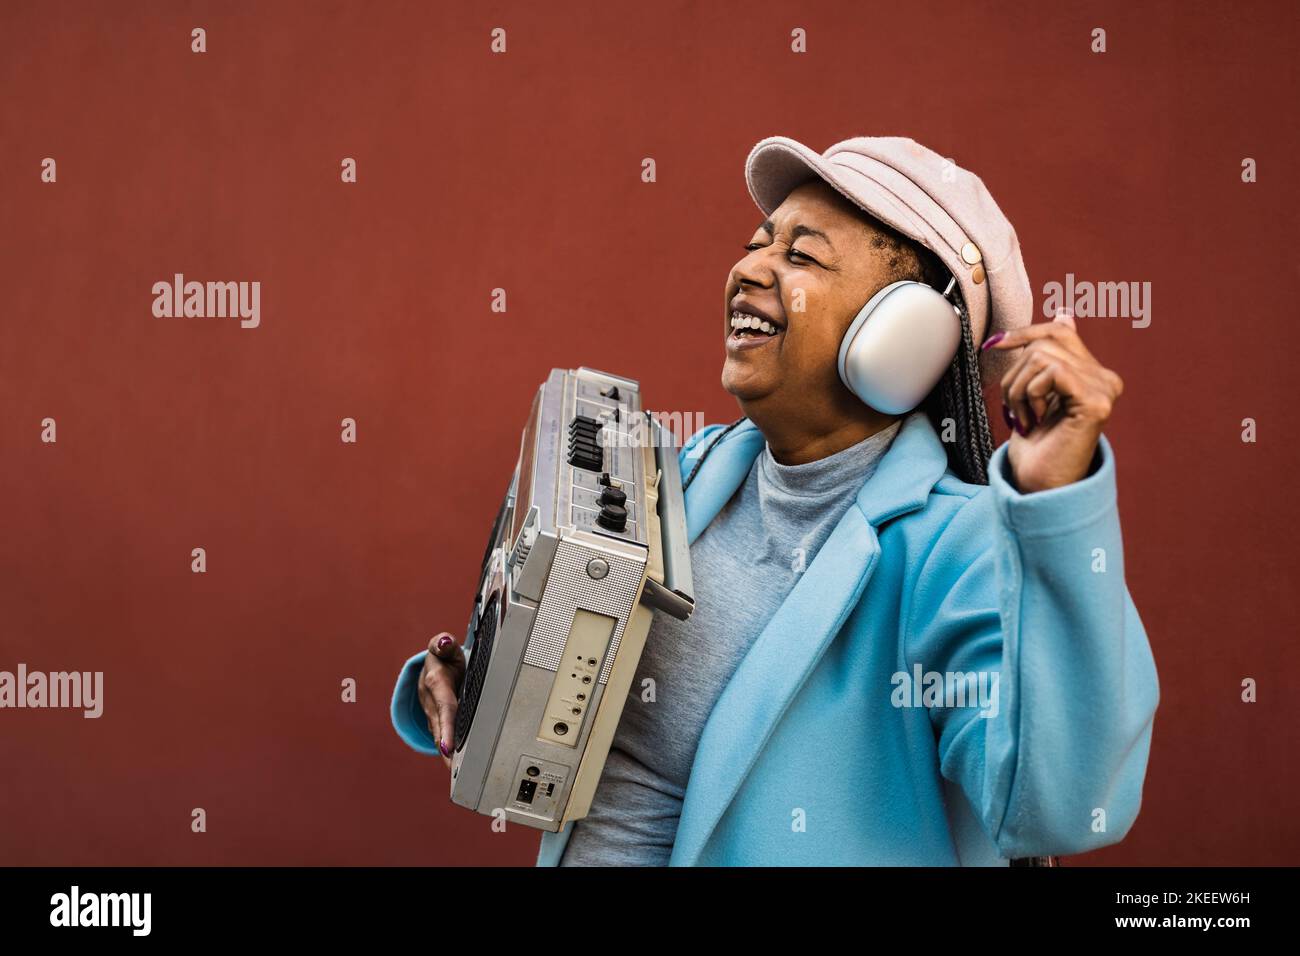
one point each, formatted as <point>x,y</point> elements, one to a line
<point>590,538</point>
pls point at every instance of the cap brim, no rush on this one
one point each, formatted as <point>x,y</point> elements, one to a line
<point>777,165</point>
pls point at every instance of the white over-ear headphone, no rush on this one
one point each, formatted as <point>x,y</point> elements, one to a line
<point>899,345</point>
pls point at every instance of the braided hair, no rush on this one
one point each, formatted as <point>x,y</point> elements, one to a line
<point>957,411</point>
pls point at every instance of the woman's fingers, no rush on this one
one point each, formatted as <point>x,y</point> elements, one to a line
<point>426,702</point>
<point>445,649</point>
<point>1060,330</point>
<point>438,698</point>
<point>447,720</point>
<point>1031,408</point>
<point>442,645</point>
<point>443,668</point>
<point>1054,344</point>
<point>1053,386</point>
<point>1039,390</point>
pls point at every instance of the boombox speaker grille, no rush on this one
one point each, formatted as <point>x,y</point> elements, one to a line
<point>479,658</point>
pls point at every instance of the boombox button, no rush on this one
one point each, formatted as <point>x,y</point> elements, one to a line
<point>613,517</point>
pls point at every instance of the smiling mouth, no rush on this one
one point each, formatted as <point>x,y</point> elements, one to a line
<point>750,330</point>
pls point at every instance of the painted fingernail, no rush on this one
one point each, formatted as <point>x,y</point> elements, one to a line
<point>442,746</point>
<point>444,642</point>
<point>992,340</point>
<point>1013,423</point>
<point>1033,419</point>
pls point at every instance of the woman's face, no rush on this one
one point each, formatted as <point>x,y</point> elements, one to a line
<point>808,271</point>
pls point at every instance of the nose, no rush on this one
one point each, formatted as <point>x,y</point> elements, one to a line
<point>750,272</point>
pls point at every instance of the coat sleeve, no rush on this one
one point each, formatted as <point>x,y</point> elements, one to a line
<point>1030,588</point>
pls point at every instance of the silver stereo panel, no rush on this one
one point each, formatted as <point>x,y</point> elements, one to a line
<point>590,539</point>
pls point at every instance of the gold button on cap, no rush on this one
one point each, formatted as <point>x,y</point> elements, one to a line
<point>971,253</point>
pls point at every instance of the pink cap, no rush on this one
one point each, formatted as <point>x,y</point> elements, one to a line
<point>926,198</point>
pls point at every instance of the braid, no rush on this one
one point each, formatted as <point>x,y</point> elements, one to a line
<point>959,397</point>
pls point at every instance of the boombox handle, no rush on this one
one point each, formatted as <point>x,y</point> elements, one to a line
<point>676,596</point>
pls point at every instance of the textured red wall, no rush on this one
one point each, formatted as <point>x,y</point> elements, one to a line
<point>328,560</point>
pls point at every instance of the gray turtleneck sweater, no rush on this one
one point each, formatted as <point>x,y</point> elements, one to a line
<point>744,564</point>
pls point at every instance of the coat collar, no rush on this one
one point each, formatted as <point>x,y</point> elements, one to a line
<point>907,473</point>
<point>793,642</point>
<point>903,478</point>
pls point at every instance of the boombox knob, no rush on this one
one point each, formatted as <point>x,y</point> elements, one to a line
<point>612,517</point>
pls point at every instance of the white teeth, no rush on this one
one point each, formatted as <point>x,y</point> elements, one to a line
<point>742,320</point>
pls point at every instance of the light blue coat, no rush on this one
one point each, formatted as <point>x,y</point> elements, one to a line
<point>807,759</point>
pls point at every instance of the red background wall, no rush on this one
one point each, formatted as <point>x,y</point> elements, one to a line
<point>328,560</point>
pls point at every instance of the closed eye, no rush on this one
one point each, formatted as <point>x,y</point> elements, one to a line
<point>792,254</point>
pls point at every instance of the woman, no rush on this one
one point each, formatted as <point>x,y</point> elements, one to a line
<point>854,568</point>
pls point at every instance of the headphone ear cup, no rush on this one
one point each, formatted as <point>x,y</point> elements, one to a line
<point>898,347</point>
